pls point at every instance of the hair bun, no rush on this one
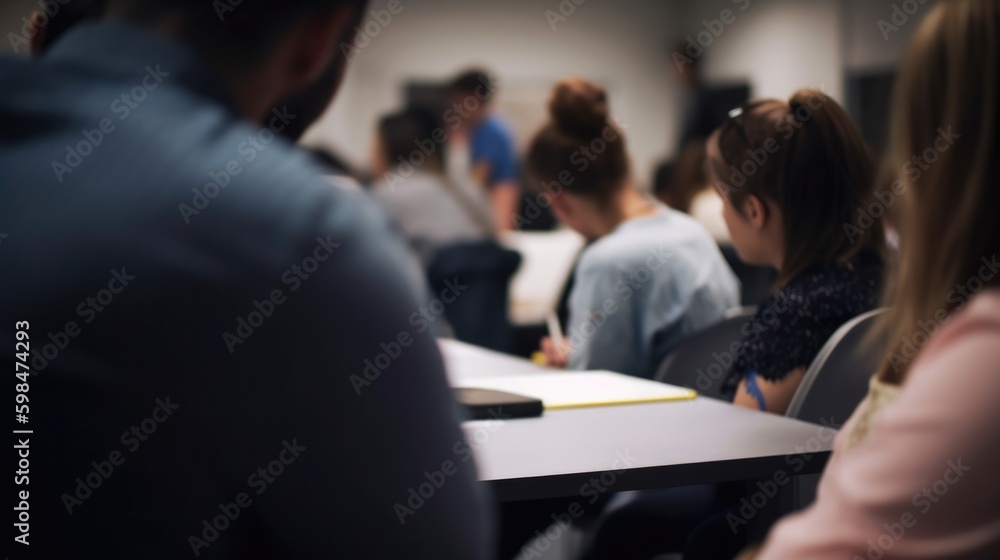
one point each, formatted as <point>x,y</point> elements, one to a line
<point>579,107</point>
<point>811,98</point>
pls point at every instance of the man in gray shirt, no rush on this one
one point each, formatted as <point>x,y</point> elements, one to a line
<point>229,358</point>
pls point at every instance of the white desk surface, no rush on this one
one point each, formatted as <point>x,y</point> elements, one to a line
<point>667,444</point>
<point>546,261</point>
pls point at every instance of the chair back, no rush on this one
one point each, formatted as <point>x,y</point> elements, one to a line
<point>703,359</point>
<point>472,280</point>
<point>837,380</point>
<point>834,385</point>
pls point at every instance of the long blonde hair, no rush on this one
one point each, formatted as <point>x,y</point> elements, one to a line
<point>944,152</point>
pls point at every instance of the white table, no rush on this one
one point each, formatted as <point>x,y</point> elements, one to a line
<point>637,446</point>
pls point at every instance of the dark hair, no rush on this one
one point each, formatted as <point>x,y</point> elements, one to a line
<point>240,34</point>
<point>404,135</point>
<point>580,142</point>
<point>474,82</point>
<point>684,180</point>
<point>67,16</point>
<point>807,157</point>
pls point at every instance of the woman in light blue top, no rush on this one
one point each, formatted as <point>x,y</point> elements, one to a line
<point>651,275</point>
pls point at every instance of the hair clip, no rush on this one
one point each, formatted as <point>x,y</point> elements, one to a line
<point>736,112</point>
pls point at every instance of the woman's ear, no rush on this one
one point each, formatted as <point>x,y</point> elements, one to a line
<point>755,211</point>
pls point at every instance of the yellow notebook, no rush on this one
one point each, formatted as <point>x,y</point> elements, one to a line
<point>576,389</point>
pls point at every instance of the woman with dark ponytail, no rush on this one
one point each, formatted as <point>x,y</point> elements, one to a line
<point>651,275</point>
<point>793,176</point>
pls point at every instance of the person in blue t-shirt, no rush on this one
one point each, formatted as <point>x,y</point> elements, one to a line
<point>492,148</point>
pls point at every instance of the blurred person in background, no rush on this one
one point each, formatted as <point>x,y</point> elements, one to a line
<point>449,225</point>
<point>432,209</point>
<point>651,275</point>
<point>492,150</point>
<point>913,472</point>
<point>200,304</point>
<point>683,186</point>
<point>698,110</point>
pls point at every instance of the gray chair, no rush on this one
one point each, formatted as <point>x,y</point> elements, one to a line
<point>700,362</point>
<point>837,380</point>
<point>834,385</point>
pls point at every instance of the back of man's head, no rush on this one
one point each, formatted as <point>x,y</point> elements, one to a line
<point>265,50</point>
<point>237,32</point>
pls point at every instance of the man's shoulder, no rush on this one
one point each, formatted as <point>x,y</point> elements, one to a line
<point>10,63</point>
<point>238,170</point>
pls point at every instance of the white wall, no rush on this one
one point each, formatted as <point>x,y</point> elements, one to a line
<point>779,46</point>
<point>865,45</point>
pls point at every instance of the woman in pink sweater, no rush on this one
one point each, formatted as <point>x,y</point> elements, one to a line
<point>916,471</point>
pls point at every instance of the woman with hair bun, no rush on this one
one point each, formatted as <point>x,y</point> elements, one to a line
<point>651,275</point>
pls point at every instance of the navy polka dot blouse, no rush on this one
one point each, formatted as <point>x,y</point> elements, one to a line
<point>792,325</point>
